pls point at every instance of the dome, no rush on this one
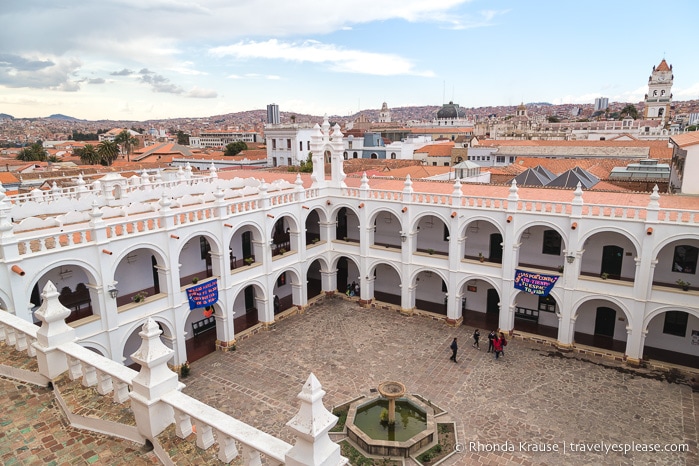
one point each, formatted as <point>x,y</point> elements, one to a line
<point>450,111</point>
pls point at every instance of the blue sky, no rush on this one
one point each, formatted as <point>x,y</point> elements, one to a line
<point>148,59</point>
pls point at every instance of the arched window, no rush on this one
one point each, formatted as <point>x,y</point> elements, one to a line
<point>354,155</point>
<point>345,155</point>
<point>393,155</point>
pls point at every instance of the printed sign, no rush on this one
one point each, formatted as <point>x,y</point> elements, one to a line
<point>205,294</point>
<point>534,283</point>
<point>695,337</point>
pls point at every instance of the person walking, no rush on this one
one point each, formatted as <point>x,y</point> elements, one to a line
<point>491,337</point>
<point>476,337</point>
<point>503,342</point>
<point>497,346</point>
<point>454,348</point>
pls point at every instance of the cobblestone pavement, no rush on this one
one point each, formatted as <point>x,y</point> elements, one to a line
<point>34,431</point>
<point>534,395</point>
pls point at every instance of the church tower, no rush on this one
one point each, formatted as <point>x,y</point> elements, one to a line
<point>659,95</point>
<point>384,114</point>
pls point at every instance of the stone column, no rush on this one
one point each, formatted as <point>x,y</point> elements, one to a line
<point>153,380</point>
<point>311,424</point>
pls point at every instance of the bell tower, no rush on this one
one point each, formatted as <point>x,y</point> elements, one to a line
<point>659,95</point>
<point>384,114</point>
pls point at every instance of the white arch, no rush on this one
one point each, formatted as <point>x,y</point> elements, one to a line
<point>551,225</point>
<point>438,214</point>
<point>417,271</point>
<point>322,214</point>
<point>578,304</point>
<point>90,344</point>
<point>663,309</point>
<point>322,260</point>
<point>336,259</point>
<point>373,216</point>
<point>612,228</point>
<point>671,239</point>
<point>479,218</point>
<point>470,277</point>
<point>216,248</point>
<point>138,325</point>
<point>92,273</point>
<point>372,267</point>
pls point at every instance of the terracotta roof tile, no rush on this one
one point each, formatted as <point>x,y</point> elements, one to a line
<point>686,139</point>
<point>662,66</point>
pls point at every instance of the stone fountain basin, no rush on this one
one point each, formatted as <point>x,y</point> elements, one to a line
<point>411,446</point>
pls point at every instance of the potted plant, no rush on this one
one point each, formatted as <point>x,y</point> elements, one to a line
<point>430,251</point>
<point>139,297</point>
<point>480,257</point>
<point>683,284</point>
<point>315,240</point>
<point>282,251</point>
<point>560,269</point>
<point>184,370</point>
<point>604,275</point>
<point>195,280</point>
<point>248,260</point>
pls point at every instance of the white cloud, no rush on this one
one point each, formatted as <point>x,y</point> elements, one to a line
<point>691,92</point>
<point>198,93</point>
<point>337,58</point>
<point>254,76</point>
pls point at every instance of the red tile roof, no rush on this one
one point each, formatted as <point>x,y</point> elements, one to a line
<point>686,139</point>
<point>436,150</point>
<point>662,66</point>
<point>657,149</point>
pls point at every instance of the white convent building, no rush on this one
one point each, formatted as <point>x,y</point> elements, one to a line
<point>121,250</point>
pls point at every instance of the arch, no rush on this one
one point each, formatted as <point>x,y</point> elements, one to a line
<point>371,268</point>
<point>416,272</point>
<point>95,347</point>
<point>611,228</point>
<point>322,214</point>
<point>551,225</point>
<point>463,228</point>
<point>661,310</point>
<point>314,283</point>
<point>213,241</point>
<point>438,214</point>
<point>92,273</point>
<point>132,338</point>
<point>671,239</point>
<point>612,299</point>
<point>285,289</point>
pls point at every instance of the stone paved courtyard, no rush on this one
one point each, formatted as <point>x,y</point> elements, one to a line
<point>533,395</point>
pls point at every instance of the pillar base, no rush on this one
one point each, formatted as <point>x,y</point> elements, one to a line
<point>365,302</point>
<point>633,362</point>
<point>300,309</point>
<point>407,312</point>
<point>225,346</point>
<point>454,322</point>
<point>268,325</point>
<point>564,347</point>
<point>329,293</point>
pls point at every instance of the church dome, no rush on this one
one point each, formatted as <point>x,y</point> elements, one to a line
<point>450,111</point>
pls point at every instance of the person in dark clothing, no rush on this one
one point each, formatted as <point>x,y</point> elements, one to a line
<point>476,338</point>
<point>454,348</point>
<point>497,346</point>
<point>491,337</point>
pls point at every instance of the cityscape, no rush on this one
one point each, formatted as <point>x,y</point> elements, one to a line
<point>412,234</point>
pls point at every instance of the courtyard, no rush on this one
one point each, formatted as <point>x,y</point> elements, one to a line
<point>578,409</point>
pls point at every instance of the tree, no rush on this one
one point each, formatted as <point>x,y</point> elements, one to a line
<point>127,142</point>
<point>553,119</point>
<point>108,152</point>
<point>234,148</point>
<point>629,110</point>
<point>182,138</point>
<point>307,166</point>
<point>88,155</point>
<point>33,153</point>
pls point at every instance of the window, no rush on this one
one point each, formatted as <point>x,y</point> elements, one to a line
<point>349,144</point>
<point>512,159</point>
<point>434,164</point>
<point>288,144</point>
<point>446,233</point>
<point>393,155</point>
<point>344,154</point>
<point>685,259</point>
<point>308,145</point>
<point>675,323</point>
<point>446,164</point>
<point>288,161</point>
<point>500,159</point>
<point>274,144</point>
<point>552,243</point>
<point>301,145</point>
<point>354,155</point>
<point>547,304</point>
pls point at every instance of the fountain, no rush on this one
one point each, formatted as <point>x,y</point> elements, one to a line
<point>372,424</point>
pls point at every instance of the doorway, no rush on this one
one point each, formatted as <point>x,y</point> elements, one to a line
<point>612,257</point>
<point>495,251</point>
<point>605,321</point>
<point>493,302</point>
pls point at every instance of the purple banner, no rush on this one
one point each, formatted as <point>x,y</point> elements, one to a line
<point>203,295</point>
<point>534,283</point>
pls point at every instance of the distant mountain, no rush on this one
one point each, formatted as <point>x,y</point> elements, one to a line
<point>58,116</point>
<point>5,116</point>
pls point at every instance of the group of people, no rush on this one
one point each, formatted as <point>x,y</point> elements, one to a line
<point>496,344</point>
<point>352,289</point>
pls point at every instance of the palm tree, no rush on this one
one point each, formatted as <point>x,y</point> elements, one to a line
<point>127,142</point>
<point>108,152</point>
<point>88,155</point>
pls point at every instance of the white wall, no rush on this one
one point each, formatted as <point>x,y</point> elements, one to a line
<point>657,339</point>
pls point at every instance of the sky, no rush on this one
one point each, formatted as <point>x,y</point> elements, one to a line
<point>155,59</point>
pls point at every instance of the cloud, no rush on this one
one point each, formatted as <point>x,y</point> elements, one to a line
<point>198,93</point>
<point>254,76</point>
<point>483,18</point>
<point>124,72</point>
<point>55,73</point>
<point>158,82</point>
<point>96,81</point>
<point>336,58</point>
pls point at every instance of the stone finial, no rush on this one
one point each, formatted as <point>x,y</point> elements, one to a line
<point>165,203</point>
<point>145,179</point>
<point>188,170</point>
<point>514,192</point>
<point>55,188</point>
<point>336,134</point>
<point>408,185</point>
<point>264,187</point>
<point>299,182</point>
<point>326,127</point>
<point>578,199</point>
<point>180,173</point>
<point>95,214</point>
<point>212,171</point>
<point>311,425</point>
<point>52,314</point>
<point>80,182</point>
<point>219,194</point>
<point>158,175</point>
<point>654,199</point>
<point>364,182</point>
<point>457,188</point>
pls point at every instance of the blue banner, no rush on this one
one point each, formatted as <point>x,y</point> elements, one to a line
<point>534,283</point>
<point>203,295</point>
